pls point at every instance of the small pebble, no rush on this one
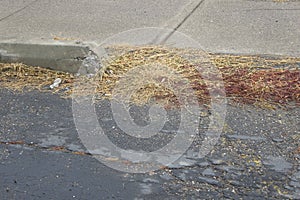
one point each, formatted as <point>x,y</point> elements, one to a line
<point>208,172</point>
<point>217,161</point>
<point>277,140</point>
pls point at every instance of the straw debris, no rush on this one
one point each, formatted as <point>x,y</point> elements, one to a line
<point>255,80</point>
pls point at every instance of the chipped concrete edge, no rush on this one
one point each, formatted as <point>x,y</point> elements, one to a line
<point>57,55</point>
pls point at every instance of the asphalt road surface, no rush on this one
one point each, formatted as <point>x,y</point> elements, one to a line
<point>42,157</point>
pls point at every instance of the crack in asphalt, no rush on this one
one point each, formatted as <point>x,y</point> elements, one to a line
<point>50,148</point>
<point>19,10</point>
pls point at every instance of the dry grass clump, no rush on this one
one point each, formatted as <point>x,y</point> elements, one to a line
<point>17,76</point>
<point>163,74</point>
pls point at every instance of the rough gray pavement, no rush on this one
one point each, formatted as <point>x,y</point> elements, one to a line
<point>256,156</point>
<point>231,26</point>
<point>30,173</point>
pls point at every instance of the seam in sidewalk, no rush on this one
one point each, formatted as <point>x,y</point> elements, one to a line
<point>19,10</point>
<point>180,23</point>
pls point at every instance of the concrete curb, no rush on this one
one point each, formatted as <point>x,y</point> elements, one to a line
<point>64,56</point>
<point>56,55</point>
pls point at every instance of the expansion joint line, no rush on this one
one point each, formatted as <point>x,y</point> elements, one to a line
<point>17,11</point>
<point>178,20</point>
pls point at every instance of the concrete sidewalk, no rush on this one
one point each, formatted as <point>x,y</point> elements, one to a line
<point>227,26</point>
